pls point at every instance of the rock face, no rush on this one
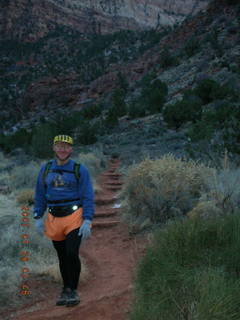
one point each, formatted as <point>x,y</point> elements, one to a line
<point>29,20</point>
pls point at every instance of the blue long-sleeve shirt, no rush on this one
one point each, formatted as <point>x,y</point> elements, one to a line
<point>60,185</point>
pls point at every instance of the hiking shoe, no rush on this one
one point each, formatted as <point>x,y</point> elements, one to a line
<point>73,298</point>
<point>62,299</point>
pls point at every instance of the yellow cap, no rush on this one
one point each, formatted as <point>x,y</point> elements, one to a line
<point>63,138</point>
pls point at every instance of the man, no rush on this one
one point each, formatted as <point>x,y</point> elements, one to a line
<point>66,189</point>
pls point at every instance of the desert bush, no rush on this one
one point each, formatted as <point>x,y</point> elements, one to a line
<point>223,190</point>
<point>191,271</point>
<point>23,176</point>
<point>94,161</point>
<point>204,209</point>
<point>25,197</point>
<point>160,189</point>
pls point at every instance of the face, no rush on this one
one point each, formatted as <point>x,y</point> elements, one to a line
<point>62,150</point>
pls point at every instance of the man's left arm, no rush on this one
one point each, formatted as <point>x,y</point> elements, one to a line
<point>87,196</point>
<point>86,193</point>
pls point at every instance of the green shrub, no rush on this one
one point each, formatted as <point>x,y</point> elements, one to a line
<point>19,139</point>
<point>111,119</point>
<point>42,140</point>
<point>200,131</point>
<point>209,90</point>
<point>136,109</point>
<point>159,189</point>
<point>222,115</point>
<point>232,2</point>
<point>167,59</point>
<point>87,133</point>
<point>153,96</point>
<point>191,271</point>
<point>118,103</point>
<point>212,37</point>
<point>122,81</point>
<point>192,47</point>
<point>181,112</point>
<point>67,123</point>
<point>92,111</point>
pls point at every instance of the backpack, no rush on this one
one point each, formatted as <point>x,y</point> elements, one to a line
<point>75,171</point>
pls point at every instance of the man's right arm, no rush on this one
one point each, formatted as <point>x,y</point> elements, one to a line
<point>40,201</point>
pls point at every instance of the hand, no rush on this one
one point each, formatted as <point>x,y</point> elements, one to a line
<point>39,225</point>
<point>85,230</point>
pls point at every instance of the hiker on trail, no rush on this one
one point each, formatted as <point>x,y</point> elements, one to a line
<point>65,188</point>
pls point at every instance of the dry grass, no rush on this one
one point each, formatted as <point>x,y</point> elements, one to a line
<point>22,177</point>
<point>43,258</point>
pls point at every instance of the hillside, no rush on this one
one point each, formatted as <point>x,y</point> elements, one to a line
<point>197,61</point>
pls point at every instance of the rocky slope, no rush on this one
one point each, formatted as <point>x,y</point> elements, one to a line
<point>29,20</point>
<point>206,46</point>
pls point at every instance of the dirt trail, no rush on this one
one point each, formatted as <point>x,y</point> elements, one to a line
<point>111,256</point>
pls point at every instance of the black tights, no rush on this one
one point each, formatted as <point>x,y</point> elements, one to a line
<point>68,256</point>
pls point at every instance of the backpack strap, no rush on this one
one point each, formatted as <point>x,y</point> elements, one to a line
<point>76,169</point>
<point>46,170</point>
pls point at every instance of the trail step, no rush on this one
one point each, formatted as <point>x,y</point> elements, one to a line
<point>107,212</point>
<point>104,214</point>
<point>113,188</point>
<point>114,161</point>
<point>105,224</point>
<point>102,201</point>
<point>112,170</point>
<point>113,183</point>
<point>112,175</point>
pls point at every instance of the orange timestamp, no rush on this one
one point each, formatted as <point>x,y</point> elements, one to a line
<point>24,253</point>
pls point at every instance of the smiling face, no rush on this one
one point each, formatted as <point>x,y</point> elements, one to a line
<point>62,151</point>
